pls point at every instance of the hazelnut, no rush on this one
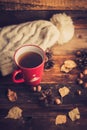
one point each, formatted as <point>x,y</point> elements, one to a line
<point>34,88</point>
<point>57,101</point>
<point>79,92</point>
<point>81,75</point>
<point>78,53</point>
<point>85,72</point>
<point>39,88</point>
<point>80,81</point>
<point>85,85</point>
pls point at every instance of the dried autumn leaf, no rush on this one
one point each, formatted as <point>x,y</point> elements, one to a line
<point>61,119</point>
<point>74,114</point>
<point>64,91</point>
<point>14,113</point>
<point>12,96</point>
<point>68,66</point>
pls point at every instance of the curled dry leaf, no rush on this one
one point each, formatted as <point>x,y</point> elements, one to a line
<point>74,114</point>
<point>12,96</point>
<point>68,66</point>
<point>65,69</point>
<point>64,91</point>
<point>14,113</point>
<point>61,119</point>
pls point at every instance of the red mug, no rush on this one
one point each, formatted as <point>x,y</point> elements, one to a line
<point>30,61</point>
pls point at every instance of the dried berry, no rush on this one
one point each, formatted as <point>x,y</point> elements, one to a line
<point>49,54</point>
<point>81,59</point>
<point>82,78</point>
<point>49,61</point>
<point>49,64</point>
<point>79,36</point>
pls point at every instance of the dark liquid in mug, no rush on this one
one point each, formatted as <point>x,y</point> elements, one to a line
<point>30,60</point>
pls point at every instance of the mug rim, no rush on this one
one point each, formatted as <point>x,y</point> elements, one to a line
<point>21,67</point>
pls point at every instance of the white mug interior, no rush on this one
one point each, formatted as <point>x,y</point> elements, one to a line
<point>28,48</point>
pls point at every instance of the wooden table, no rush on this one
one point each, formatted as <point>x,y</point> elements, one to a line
<point>43,5</point>
<point>36,116</point>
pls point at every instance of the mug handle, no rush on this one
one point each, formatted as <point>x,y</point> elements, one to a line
<point>15,74</point>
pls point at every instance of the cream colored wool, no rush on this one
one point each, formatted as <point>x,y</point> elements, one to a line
<point>59,29</point>
<point>65,26</point>
<point>41,33</point>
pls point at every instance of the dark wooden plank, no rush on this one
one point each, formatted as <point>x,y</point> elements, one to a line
<point>43,5</point>
<point>79,17</point>
<point>32,111</point>
<point>35,115</point>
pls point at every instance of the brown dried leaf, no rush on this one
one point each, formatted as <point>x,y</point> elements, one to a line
<point>74,114</point>
<point>61,119</point>
<point>14,113</point>
<point>12,96</point>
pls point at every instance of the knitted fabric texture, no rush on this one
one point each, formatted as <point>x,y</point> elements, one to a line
<point>41,33</point>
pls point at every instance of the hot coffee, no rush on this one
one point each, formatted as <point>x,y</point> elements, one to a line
<point>30,60</point>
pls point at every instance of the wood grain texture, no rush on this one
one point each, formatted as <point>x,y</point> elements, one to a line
<point>43,4</point>
<point>79,17</point>
<point>35,116</point>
